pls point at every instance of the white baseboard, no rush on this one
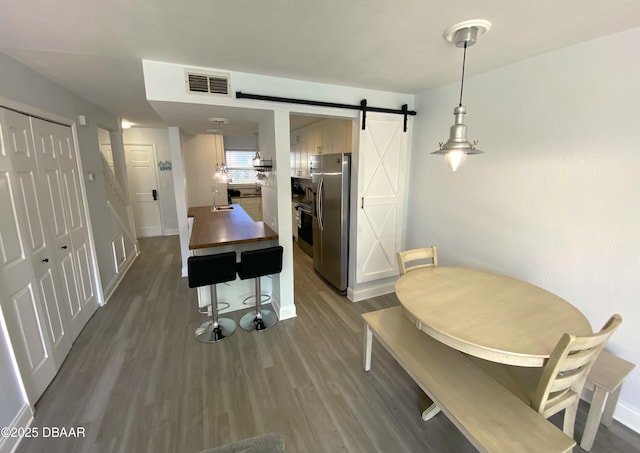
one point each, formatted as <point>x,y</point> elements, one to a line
<point>625,414</point>
<point>284,313</point>
<point>628,416</point>
<point>23,419</point>
<point>369,291</point>
<point>171,232</point>
<point>115,281</point>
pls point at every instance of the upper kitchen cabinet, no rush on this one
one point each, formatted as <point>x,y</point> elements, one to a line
<point>300,154</point>
<point>332,135</point>
<point>326,136</point>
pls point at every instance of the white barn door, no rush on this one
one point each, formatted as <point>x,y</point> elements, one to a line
<point>381,181</point>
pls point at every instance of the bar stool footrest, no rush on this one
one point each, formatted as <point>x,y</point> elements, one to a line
<point>206,310</point>
<point>264,298</point>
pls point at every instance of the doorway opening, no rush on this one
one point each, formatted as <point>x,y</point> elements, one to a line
<point>320,163</point>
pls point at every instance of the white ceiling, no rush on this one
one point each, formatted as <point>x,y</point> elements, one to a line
<point>94,48</point>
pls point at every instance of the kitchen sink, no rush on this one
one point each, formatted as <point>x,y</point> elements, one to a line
<point>222,208</point>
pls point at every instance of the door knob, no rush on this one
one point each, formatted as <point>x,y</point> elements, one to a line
<point>154,192</point>
<point>64,247</point>
<point>46,260</point>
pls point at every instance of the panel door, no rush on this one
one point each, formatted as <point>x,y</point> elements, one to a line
<point>33,311</point>
<point>143,180</point>
<point>381,182</point>
<point>56,155</point>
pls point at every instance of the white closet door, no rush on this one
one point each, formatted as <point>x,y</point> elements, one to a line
<point>60,184</point>
<point>381,181</point>
<point>29,301</point>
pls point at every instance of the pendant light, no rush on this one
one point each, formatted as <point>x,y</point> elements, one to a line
<point>456,149</point>
<point>257,159</point>
<point>222,173</point>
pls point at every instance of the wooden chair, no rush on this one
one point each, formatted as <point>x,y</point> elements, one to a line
<point>558,385</point>
<point>410,260</point>
<point>418,257</point>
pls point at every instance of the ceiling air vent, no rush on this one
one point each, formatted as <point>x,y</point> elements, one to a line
<point>208,83</point>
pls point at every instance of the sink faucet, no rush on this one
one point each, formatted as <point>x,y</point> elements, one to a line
<point>214,198</point>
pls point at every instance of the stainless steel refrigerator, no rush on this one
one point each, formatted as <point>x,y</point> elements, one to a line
<point>330,174</point>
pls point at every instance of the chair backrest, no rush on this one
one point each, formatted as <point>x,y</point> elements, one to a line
<point>566,370</point>
<point>207,270</point>
<point>256,263</point>
<point>425,257</point>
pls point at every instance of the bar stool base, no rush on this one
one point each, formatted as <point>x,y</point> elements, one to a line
<point>250,323</point>
<point>207,334</point>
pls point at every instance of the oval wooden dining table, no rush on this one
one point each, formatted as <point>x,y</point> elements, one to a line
<point>490,316</point>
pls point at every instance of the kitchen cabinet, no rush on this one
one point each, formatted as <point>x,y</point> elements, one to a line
<point>299,157</point>
<point>251,205</point>
<point>331,135</point>
<point>300,161</point>
<point>340,135</point>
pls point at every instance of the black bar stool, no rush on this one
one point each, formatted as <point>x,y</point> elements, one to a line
<point>208,270</point>
<point>255,264</point>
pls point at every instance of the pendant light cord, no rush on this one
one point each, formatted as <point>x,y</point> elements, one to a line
<point>464,60</point>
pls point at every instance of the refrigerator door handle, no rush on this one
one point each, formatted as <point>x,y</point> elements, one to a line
<point>317,204</point>
<point>320,211</point>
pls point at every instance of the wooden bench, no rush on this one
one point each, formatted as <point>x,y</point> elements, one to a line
<point>606,378</point>
<point>491,417</point>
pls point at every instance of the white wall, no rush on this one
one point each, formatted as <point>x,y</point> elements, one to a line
<point>243,142</point>
<point>199,157</point>
<point>268,148</point>
<point>554,199</point>
<point>159,138</point>
<point>104,136</point>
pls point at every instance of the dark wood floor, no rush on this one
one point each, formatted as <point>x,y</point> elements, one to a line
<point>137,381</point>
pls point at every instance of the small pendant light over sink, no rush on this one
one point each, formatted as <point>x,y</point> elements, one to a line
<point>257,158</point>
<point>456,149</point>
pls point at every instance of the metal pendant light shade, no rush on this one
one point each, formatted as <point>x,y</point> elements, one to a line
<point>457,147</point>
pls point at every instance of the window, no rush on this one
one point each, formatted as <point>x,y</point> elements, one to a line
<point>240,166</point>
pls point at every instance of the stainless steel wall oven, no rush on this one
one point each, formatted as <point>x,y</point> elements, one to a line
<point>305,228</point>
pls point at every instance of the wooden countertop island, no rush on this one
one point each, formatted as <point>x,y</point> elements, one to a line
<point>228,227</point>
<point>230,230</point>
